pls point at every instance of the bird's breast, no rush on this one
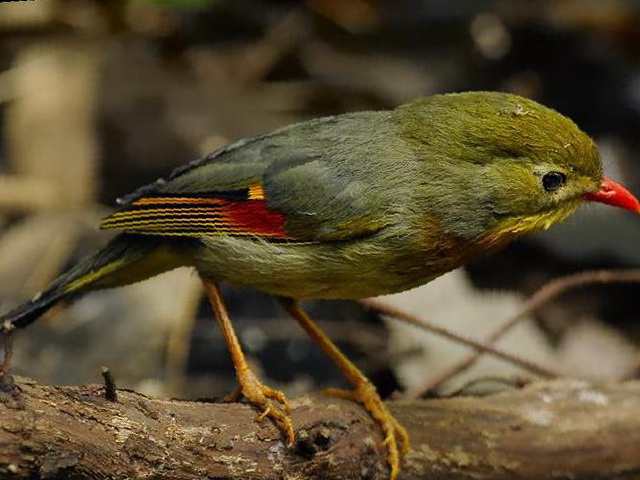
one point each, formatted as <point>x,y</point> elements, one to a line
<point>367,267</point>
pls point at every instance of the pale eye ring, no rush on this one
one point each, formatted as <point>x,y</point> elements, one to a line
<point>552,181</point>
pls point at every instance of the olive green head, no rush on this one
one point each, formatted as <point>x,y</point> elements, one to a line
<point>500,163</point>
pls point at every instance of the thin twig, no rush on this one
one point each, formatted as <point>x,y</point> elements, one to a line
<point>7,330</point>
<point>398,313</point>
<point>546,293</point>
<point>511,383</point>
<point>10,394</point>
<point>110,389</point>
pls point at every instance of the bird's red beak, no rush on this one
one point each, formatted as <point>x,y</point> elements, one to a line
<point>613,193</point>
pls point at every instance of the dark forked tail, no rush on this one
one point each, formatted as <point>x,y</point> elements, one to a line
<point>125,259</point>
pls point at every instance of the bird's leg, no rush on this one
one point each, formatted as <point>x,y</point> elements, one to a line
<point>254,391</point>
<point>396,437</point>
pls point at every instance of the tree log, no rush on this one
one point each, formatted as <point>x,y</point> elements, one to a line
<point>553,430</point>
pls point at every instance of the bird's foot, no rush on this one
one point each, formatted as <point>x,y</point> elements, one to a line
<point>396,438</point>
<point>263,398</point>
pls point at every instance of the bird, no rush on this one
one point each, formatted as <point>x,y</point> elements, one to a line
<point>347,207</point>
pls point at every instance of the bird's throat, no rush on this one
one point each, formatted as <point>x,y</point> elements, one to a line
<point>511,227</point>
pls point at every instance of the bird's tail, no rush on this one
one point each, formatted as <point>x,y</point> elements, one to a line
<point>125,259</point>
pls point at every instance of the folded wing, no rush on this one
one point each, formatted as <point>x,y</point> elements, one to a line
<point>261,188</point>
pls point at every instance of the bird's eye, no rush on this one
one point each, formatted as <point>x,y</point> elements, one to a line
<point>553,180</point>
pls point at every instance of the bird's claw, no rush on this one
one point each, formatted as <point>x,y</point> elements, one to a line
<point>262,397</point>
<point>396,438</point>
<point>233,396</point>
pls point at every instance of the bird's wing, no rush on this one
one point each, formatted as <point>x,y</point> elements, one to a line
<point>256,188</point>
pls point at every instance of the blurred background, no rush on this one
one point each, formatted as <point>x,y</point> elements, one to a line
<point>99,97</point>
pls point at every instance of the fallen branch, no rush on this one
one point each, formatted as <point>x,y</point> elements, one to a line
<point>560,429</point>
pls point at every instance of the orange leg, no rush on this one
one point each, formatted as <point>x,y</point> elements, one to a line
<point>396,437</point>
<point>254,391</point>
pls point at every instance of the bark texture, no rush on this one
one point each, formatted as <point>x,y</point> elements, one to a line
<point>554,430</point>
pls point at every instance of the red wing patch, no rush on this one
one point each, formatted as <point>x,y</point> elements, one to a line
<point>239,213</point>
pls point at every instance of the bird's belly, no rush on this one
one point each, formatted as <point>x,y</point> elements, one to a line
<point>340,270</point>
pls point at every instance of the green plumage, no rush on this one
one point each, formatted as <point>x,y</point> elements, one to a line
<point>374,202</point>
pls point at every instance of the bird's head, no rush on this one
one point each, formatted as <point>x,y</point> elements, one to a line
<point>504,165</point>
